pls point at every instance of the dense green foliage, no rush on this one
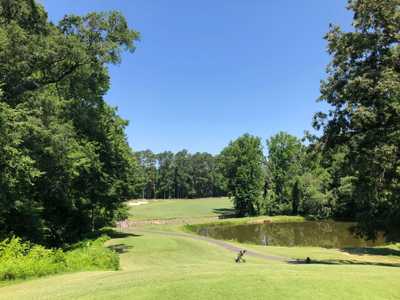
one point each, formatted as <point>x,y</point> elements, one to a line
<point>20,260</point>
<point>179,175</point>
<point>286,156</point>
<point>363,126</point>
<point>242,165</point>
<point>296,182</point>
<point>65,165</point>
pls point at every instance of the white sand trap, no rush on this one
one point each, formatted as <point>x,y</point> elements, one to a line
<point>136,203</point>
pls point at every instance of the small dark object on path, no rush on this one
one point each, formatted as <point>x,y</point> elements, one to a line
<point>240,258</point>
<point>308,260</point>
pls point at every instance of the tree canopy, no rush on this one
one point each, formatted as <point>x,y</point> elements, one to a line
<point>180,175</point>
<point>363,89</point>
<point>65,165</point>
<point>242,165</point>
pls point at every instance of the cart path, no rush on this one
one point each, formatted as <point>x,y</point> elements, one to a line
<point>220,243</point>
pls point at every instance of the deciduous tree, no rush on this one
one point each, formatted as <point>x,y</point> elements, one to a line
<point>242,163</point>
<point>363,89</point>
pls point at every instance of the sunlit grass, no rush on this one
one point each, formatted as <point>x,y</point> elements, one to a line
<point>181,209</point>
<point>161,267</point>
<point>156,266</point>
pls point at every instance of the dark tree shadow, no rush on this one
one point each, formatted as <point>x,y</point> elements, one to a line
<point>371,251</point>
<point>114,234</point>
<point>342,262</point>
<point>120,248</point>
<point>225,213</point>
<point>119,234</point>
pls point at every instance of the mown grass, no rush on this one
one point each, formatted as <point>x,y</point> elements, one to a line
<point>181,209</point>
<point>155,266</point>
<point>161,267</point>
<point>180,214</point>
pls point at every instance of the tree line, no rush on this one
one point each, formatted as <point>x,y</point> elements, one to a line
<point>290,180</point>
<point>66,167</point>
<point>169,175</point>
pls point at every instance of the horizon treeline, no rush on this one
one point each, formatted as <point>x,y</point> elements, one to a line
<point>169,175</point>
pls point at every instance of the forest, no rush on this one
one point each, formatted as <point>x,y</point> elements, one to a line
<point>66,167</point>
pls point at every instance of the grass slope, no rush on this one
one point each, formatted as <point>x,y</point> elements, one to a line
<point>161,267</point>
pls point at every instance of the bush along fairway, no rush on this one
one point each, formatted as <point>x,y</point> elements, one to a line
<point>21,260</point>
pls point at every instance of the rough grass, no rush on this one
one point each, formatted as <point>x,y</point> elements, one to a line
<point>21,260</point>
<point>155,266</point>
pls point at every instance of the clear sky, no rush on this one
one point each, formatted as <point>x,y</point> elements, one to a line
<point>208,71</point>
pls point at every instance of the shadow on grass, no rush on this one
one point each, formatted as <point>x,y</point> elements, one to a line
<point>114,234</point>
<point>119,234</point>
<point>120,248</point>
<point>225,213</point>
<point>342,262</point>
<point>372,251</point>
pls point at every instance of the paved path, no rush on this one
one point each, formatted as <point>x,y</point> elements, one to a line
<point>220,243</point>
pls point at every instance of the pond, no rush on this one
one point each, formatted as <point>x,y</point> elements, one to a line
<point>327,234</point>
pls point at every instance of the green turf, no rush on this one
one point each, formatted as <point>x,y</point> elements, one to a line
<point>181,209</point>
<point>156,266</point>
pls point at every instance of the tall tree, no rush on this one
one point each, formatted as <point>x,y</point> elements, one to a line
<point>148,161</point>
<point>284,163</point>
<point>166,175</point>
<point>202,172</point>
<point>183,181</point>
<point>69,143</point>
<point>296,197</point>
<point>242,164</point>
<point>363,89</point>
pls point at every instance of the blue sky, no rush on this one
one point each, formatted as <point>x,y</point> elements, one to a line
<point>207,71</point>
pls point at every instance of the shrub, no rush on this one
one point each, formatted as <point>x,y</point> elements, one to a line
<point>20,259</point>
<point>92,255</point>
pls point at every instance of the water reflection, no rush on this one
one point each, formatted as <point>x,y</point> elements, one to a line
<point>311,233</point>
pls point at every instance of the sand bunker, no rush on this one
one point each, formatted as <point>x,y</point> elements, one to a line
<point>135,203</point>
